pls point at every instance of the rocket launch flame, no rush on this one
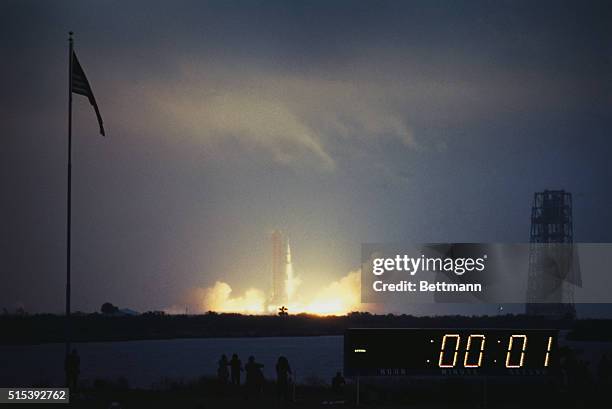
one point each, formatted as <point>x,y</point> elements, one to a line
<point>336,298</point>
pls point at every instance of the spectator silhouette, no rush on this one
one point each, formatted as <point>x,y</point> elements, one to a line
<point>72,367</point>
<point>283,372</point>
<point>254,377</point>
<point>235,369</point>
<point>338,383</point>
<point>222,372</point>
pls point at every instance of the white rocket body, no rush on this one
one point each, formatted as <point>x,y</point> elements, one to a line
<point>290,283</point>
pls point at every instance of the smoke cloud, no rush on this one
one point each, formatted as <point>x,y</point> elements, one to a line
<point>220,298</point>
<point>338,297</point>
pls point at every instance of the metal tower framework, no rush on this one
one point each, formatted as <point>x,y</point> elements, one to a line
<point>551,237</point>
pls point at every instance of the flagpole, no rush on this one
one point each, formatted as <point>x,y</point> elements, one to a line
<point>69,194</point>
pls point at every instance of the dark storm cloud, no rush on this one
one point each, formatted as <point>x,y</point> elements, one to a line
<point>340,122</point>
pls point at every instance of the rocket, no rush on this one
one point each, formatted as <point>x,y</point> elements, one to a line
<point>288,255</point>
<point>290,283</point>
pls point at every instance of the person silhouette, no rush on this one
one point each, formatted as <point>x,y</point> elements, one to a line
<point>235,369</point>
<point>283,373</point>
<point>222,372</point>
<point>254,377</point>
<point>72,367</point>
<point>338,383</point>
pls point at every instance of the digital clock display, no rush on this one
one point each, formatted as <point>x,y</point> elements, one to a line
<point>448,352</point>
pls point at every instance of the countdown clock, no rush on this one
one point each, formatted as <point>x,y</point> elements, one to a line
<point>450,352</point>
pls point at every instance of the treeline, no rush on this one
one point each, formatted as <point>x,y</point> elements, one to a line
<point>46,328</point>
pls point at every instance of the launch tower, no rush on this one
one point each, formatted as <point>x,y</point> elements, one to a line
<point>551,256</point>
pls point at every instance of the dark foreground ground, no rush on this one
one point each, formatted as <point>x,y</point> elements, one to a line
<point>575,389</point>
<point>385,393</point>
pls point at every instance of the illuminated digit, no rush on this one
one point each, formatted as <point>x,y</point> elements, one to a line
<point>523,348</point>
<point>458,340</point>
<point>480,353</point>
<point>548,352</point>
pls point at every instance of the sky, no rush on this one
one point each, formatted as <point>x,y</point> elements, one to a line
<point>339,123</point>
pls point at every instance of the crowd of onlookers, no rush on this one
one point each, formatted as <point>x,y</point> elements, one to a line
<point>575,375</point>
<point>229,372</point>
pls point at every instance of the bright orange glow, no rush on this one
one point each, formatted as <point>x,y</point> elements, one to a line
<point>337,298</point>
